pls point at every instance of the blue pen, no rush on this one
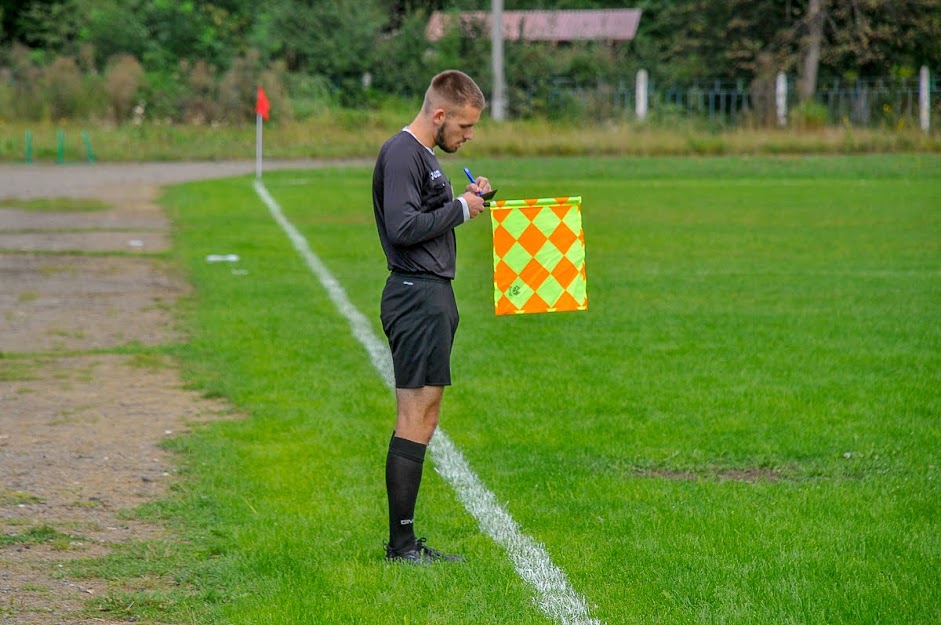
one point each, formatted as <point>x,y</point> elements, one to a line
<point>470,177</point>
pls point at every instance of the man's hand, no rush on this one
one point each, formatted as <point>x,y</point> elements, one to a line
<point>475,203</point>
<point>482,185</point>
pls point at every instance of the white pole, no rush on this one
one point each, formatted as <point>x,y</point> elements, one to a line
<point>496,37</point>
<point>640,95</point>
<point>258,146</point>
<point>924,99</point>
<point>780,98</point>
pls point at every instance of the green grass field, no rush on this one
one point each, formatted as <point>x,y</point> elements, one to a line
<point>743,428</point>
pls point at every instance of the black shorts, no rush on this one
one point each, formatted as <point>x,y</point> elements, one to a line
<point>419,316</point>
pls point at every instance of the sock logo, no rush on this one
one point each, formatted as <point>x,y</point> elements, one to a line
<point>406,521</point>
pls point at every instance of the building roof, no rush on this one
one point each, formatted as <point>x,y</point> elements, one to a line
<point>605,25</point>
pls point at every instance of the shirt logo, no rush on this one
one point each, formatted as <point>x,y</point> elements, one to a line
<point>435,175</point>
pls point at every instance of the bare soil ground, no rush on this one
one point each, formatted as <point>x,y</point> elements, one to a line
<point>80,424</point>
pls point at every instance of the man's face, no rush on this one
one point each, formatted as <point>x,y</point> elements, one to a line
<point>454,128</point>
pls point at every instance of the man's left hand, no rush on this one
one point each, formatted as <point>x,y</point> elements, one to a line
<point>482,186</point>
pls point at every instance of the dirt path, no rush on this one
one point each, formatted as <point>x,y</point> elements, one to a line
<point>80,427</point>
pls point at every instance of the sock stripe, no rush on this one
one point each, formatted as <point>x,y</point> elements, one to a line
<point>407,449</point>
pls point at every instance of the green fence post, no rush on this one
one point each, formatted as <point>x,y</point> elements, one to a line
<point>29,146</point>
<point>60,146</point>
<point>88,151</point>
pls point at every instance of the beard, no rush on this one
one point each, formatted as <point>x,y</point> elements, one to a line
<point>442,143</point>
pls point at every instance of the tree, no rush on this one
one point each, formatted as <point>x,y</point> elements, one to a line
<point>816,14</point>
<point>9,12</point>
<point>695,39</point>
<point>336,39</point>
<point>115,28</point>
<point>880,37</point>
<point>161,33</point>
<point>403,65</point>
<point>333,44</point>
<point>47,25</point>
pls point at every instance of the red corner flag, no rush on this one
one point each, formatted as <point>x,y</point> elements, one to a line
<point>262,107</point>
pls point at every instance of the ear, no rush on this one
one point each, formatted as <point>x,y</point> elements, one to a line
<point>438,115</point>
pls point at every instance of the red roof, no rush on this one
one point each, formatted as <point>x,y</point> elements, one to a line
<point>607,25</point>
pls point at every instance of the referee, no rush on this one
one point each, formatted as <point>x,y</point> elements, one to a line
<point>416,214</point>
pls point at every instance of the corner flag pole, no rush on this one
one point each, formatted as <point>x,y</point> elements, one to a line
<point>262,107</point>
<point>258,146</point>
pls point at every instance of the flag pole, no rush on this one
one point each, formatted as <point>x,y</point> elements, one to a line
<point>258,146</point>
<point>262,107</point>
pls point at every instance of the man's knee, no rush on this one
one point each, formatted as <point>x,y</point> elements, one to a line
<point>418,410</point>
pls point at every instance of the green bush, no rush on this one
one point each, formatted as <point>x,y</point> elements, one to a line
<point>26,78</point>
<point>6,96</point>
<point>310,94</point>
<point>201,99</point>
<point>272,79</point>
<point>164,95</point>
<point>809,115</point>
<point>93,101</point>
<point>115,28</point>
<point>564,105</point>
<point>666,114</point>
<point>403,66</point>
<point>123,78</point>
<point>239,86</point>
<point>62,87</point>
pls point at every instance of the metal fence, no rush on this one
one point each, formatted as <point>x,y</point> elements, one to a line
<point>870,102</point>
<point>878,101</point>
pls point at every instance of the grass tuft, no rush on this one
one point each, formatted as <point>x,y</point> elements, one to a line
<point>39,534</point>
<point>57,205</point>
<point>17,498</point>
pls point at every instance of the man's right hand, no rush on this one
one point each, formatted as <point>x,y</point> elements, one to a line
<point>475,203</point>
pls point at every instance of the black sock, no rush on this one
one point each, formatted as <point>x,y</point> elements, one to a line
<point>403,476</point>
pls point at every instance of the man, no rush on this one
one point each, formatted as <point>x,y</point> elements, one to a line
<point>416,215</point>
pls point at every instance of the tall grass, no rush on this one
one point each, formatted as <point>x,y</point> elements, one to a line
<point>337,133</point>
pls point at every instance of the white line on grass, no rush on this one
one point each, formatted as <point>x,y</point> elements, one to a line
<point>555,596</point>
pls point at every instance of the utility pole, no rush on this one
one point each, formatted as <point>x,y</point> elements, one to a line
<point>498,105</point>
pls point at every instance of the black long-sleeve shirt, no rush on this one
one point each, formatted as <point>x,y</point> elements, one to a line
<point>415,209</point>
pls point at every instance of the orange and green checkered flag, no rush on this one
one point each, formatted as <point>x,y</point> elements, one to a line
<point>538,255</point>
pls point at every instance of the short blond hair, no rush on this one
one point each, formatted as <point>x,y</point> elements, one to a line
<point>453,89</point>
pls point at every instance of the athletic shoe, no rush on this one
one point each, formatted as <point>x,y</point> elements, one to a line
<point>420,553</point>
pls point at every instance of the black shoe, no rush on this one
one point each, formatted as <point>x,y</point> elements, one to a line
<point>420,553</point>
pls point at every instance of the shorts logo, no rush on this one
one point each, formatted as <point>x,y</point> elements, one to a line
<point>407,522</point>
<point>408,283</point>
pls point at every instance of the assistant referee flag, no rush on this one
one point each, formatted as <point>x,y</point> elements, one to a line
<point>538,255</point>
